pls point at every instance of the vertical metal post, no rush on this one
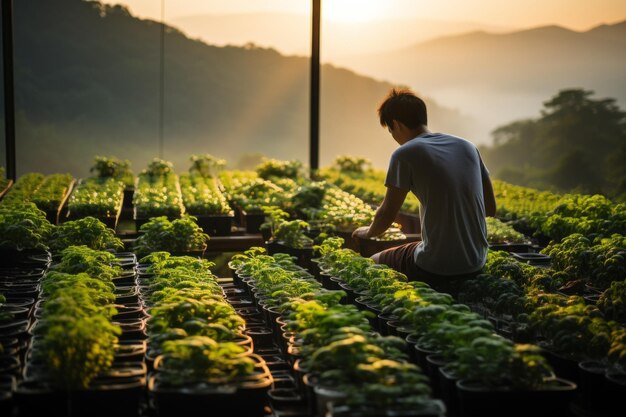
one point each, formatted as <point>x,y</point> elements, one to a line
<point>9,92</point>
<point>314,141</point>
<point>162,81</point>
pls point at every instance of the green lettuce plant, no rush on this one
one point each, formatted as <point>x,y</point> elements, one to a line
<point>23,226</point>
<point>88,231</point>
<point>199,359</point>
<point>180,235</point>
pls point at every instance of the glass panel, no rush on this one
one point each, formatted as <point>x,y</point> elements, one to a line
<point>88,82</point>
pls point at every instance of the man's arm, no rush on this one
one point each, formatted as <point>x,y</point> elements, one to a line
<point>385,215</point>
<point>489,197</point>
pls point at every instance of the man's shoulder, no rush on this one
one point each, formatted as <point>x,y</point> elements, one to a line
<point>408,151</point>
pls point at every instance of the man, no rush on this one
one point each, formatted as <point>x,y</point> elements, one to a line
<point>448,177</point>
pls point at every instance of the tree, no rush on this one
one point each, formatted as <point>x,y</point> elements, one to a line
<point>576,144</point>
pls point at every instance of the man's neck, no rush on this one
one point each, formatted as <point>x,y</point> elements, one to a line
<point>413,133</point>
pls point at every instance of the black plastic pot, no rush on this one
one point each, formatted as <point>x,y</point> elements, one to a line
<point>111,397</point>
<point>448,390</point>
<point>368,247</point>
<point>550,400</point>
<point>131,351</point>
<point>433,363</point>
<point>303,255</point>
<point>615,385</point>
<point>410,222</point>
<point>7,386</point>
<point>426,408</point>
<point>244,397</point>
<point>253,221</point>
<point>24,258</point>
<point>592,393</point>
<point>10,365</point>
<point>129,191</point>
<point>514,247</point>
<point>537,259</point>
<point>215,224</point>
<point>263,337</point>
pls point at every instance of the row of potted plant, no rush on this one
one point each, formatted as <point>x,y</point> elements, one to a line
<point>323,205</point>
<point>248,195</point>
<point>206,165</point>
<point>74,337</point>
<point>23,226</point>
<point>597,262</point>
<point>47,192</point>
<point>202,195</point>
<point>554,217</point>
<point>499,232</point>
<point>356,176</point>
<point>82,358</point>
<point>23,188</point>
<point>97,197</point>
<point>271,168</point>
<point>157,192</point>
<point>455,337</point>
<point>52,192</point>
<point>113,168</point>
<point>580,335</point>
<point>344,362</point>
<point>201,356</point>
<point>204,199</point>
<point>24,229</point>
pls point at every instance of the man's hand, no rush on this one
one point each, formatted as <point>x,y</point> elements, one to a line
<point>361,232</point>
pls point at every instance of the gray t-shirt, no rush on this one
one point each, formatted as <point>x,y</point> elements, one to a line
<point>446,174</point>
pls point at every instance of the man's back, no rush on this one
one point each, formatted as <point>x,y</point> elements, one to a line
<point>445,173</point>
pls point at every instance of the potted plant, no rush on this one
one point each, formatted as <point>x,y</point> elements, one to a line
<point>157,193</point>
<point>612,302</point>
<point>87,231</point>
<point>51,195</point>
<point>198,373</point>
<point>512,379</point>
<point>290,237</point>
<point>95,263</point>
<point>180,236</point>
<point>206,165</point>
<point>251,197</point>
<point>101,198</point>
<point>204,200</point>
<point>24,230</point>
<point>119,170</point>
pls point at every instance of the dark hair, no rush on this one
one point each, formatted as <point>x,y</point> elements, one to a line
<point>403,105</point>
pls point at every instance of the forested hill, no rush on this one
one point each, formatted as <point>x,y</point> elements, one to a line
<point>87,79</point>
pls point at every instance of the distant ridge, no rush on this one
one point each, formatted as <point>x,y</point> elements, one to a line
<point>508,74</point>
<point>88,83</point>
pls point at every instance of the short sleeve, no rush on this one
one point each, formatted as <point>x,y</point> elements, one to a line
<point>399,174</point>
<point>484,172</point>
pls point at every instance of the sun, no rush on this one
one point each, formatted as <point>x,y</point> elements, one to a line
<point>352,11</point>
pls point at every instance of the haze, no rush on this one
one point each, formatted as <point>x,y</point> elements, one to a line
<point>375,38</point>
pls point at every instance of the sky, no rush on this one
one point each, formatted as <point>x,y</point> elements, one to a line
<point>573,14</point>
<point>354,31</point>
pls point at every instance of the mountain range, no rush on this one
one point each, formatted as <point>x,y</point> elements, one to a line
<point>290,33</point>
<point>88,79</point>
<point>497,78</point>
<point>87,82</point>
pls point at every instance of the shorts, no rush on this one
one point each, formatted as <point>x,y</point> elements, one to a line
<point>401,258</point>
